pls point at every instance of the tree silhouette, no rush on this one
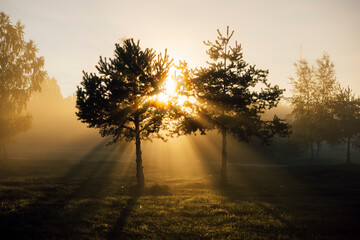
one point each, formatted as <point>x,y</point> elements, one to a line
<point>118,100</point>
<point>21,74</point>
<point>345,109</point>
<point>227,100</point>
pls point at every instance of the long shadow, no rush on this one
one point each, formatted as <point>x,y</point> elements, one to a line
<point>48,216</point>
<point>94,173</point>
<point>117,231</point>
<point>92,156</point>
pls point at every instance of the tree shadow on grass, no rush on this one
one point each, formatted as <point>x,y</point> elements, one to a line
<point>274,196</point>
<point>117,230</point>
<point>60,205</point>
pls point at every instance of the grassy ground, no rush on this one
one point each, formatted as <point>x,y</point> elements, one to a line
<point>97,200</point>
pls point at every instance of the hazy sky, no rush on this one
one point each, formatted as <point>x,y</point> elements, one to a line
<point>71,35</point>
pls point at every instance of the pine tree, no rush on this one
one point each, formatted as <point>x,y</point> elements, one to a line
<point>227,100</point>
<point>118,100</point>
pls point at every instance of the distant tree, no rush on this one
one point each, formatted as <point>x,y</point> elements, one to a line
<point>345,109</point>
<point>21,74</point>
<point>118,100</point>
<point>227,100</point>
<point>325,90</point>
<point>303,103</point>
<point>313,88</point>
<point>50,91</point>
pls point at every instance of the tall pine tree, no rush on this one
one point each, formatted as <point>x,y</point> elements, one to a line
<point>227,100</point>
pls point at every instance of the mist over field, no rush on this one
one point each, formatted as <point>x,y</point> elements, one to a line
<point>56,134</point>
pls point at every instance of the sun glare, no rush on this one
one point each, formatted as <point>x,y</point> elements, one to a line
<point>169,91</point>
<point>162,97</point>
<point>170,95</point>
<point>170,87</point>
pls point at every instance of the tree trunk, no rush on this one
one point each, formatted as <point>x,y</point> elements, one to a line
<point>223,159</point>
<point>139,168</point>
<point>312,151</point>
<point>348,161</point>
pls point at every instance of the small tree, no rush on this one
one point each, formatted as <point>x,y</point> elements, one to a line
<point>345,109</point>
<point>21,74</point>
<point>313,88</point>
<point>118,100</point>
<point>227,100</point>
<point>325,90</point>
<point>303,103</point>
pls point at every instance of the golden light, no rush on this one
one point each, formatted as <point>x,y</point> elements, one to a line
<point>170,87</point>
<point>170,94</point>
<point>162,97</point>
<point>181,100</point>
<point>169,91</point>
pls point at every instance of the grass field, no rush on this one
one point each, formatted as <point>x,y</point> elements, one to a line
<point>98,200</point>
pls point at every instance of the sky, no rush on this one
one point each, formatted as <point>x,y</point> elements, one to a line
<point>71,35</point>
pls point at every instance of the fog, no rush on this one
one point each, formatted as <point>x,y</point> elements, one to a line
<point>55,131</point>
<point>56,134</point>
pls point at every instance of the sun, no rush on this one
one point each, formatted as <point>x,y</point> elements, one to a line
<point>171,94</point>
<point>169,91</point>
<point>170,87</point>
